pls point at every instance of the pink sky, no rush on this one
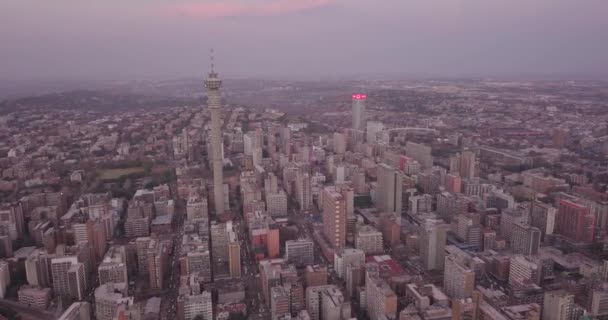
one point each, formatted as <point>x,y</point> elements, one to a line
<point>225,8</point>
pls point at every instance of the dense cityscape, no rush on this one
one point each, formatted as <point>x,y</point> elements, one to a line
<point>408,200</point>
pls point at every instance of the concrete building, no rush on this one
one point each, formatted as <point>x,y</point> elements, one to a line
<point>389,191</point>
<point>77,281</point>
<point>314,299</point>
<point>420,153</point>
<point>108,298</point>
<point>458,277</point>
<point>558,305</point>
<point>300,252</point>
<point>34,297</point>
<point>369,240</point>
<point>575,222</point>
<point>381,300</point>
<point>194,304</point>
<point>347,256</point>
<point>432,238</point>
<point>5,278</point>
<point>334,305</point>
<point>525,239</point>
<point>234,255</point>
<point>279,302</point>
<point>303,188</point>
<point>542,216</point>
<point>276,204</point>
<point>334,217</point>
<point>113,267</point>
<point>59,271</point>
<point>158,263</point>
<point>523,270</point>
<point>214,103</point>
<point>38,269</point>
<point>315,275</point>
<point>359,111</point>
<point>141,247</point>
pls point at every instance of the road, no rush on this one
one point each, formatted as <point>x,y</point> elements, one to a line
<point>168,305</point>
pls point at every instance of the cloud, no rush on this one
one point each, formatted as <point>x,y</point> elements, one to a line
<point>227,8</point>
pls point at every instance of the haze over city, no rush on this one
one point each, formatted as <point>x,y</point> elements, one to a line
<point>116,39</point>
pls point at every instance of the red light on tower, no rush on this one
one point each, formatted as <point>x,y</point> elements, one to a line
<point>359,96</point>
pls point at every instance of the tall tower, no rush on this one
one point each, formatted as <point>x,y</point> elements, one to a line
<point>359,111</point>
<point>213,84</point>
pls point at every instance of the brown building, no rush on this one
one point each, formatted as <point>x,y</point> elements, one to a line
<point>316,275</point>
<point>334,217</point>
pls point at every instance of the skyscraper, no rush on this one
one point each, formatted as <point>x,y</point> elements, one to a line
<point>432,238</point>
<point>525,239</point>
<point>388,195</point>
<point>575,222</point>
<point>334,217</point>
<point>359,111</point>
<point>213,84</point>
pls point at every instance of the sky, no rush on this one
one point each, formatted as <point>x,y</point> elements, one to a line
<point>136,39</point>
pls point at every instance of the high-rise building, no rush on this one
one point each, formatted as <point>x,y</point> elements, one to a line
<point>373,129</point>
<point>194,304</point>
<point>300,252</point>
<point>315,275</point>
<point>575,222</point>
<point>420,204</point>
<point>339,143</point>
<point>113,267</point>
<point>523,270</point>
<point>510,217</point>
<point>141,245</point>
<point>158,262</point>
<point>381,300</point>
<point>347,256</point>
<point>77,281</point>
<point>334,305</point>
<point>279,302</point>
<point>359,111</point>
<point>313,300</point>
<point>303,190</point>
<point>420,153</point>
<point>59,271</point>
<point>369,240</point>
<point>213,84</point>
<point>334,217</point>
<point>5,278</point>
<point>276,204</point>
<point>558,305</point>
<point>542,216</point>
<point>38,269</point>
<point>11,219</point>
<point>525,239</point>
<point>432,238</point>
<point>108,297</point>
<point>463,164</point>
<point>390,184</point>
<point>458,277</point>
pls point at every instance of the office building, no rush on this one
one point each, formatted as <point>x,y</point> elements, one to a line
<point>458,277</point>
<point>276,204</point>
<point>523,270</point>
<point>77,281</point>
<point>334,305</point>
<point>195,304</point>
<point>575,222</point>
<point>108,297</point>
<point>369,240</point>
<point>381,300</point>
<point>279,302</point>
<point>420,153</point>
<point>389,191</point>
<point>59,271</point>
<point>334,217</point>
<point>5,278</point>
<point>432,238</point>
<point>542,216</point>
<point>300,252</point>
<point>234,255</point>
<point>558,305</point>
<point>34,297</point>
<point>359,111</point>
<point>303,188</point>
<point>113,267</point>
<point>347,256</point>
<point>525,239</point>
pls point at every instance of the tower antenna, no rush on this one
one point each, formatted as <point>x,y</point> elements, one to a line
<point>212,61</point>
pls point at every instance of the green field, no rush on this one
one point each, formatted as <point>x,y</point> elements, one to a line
<point>112,174</point>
